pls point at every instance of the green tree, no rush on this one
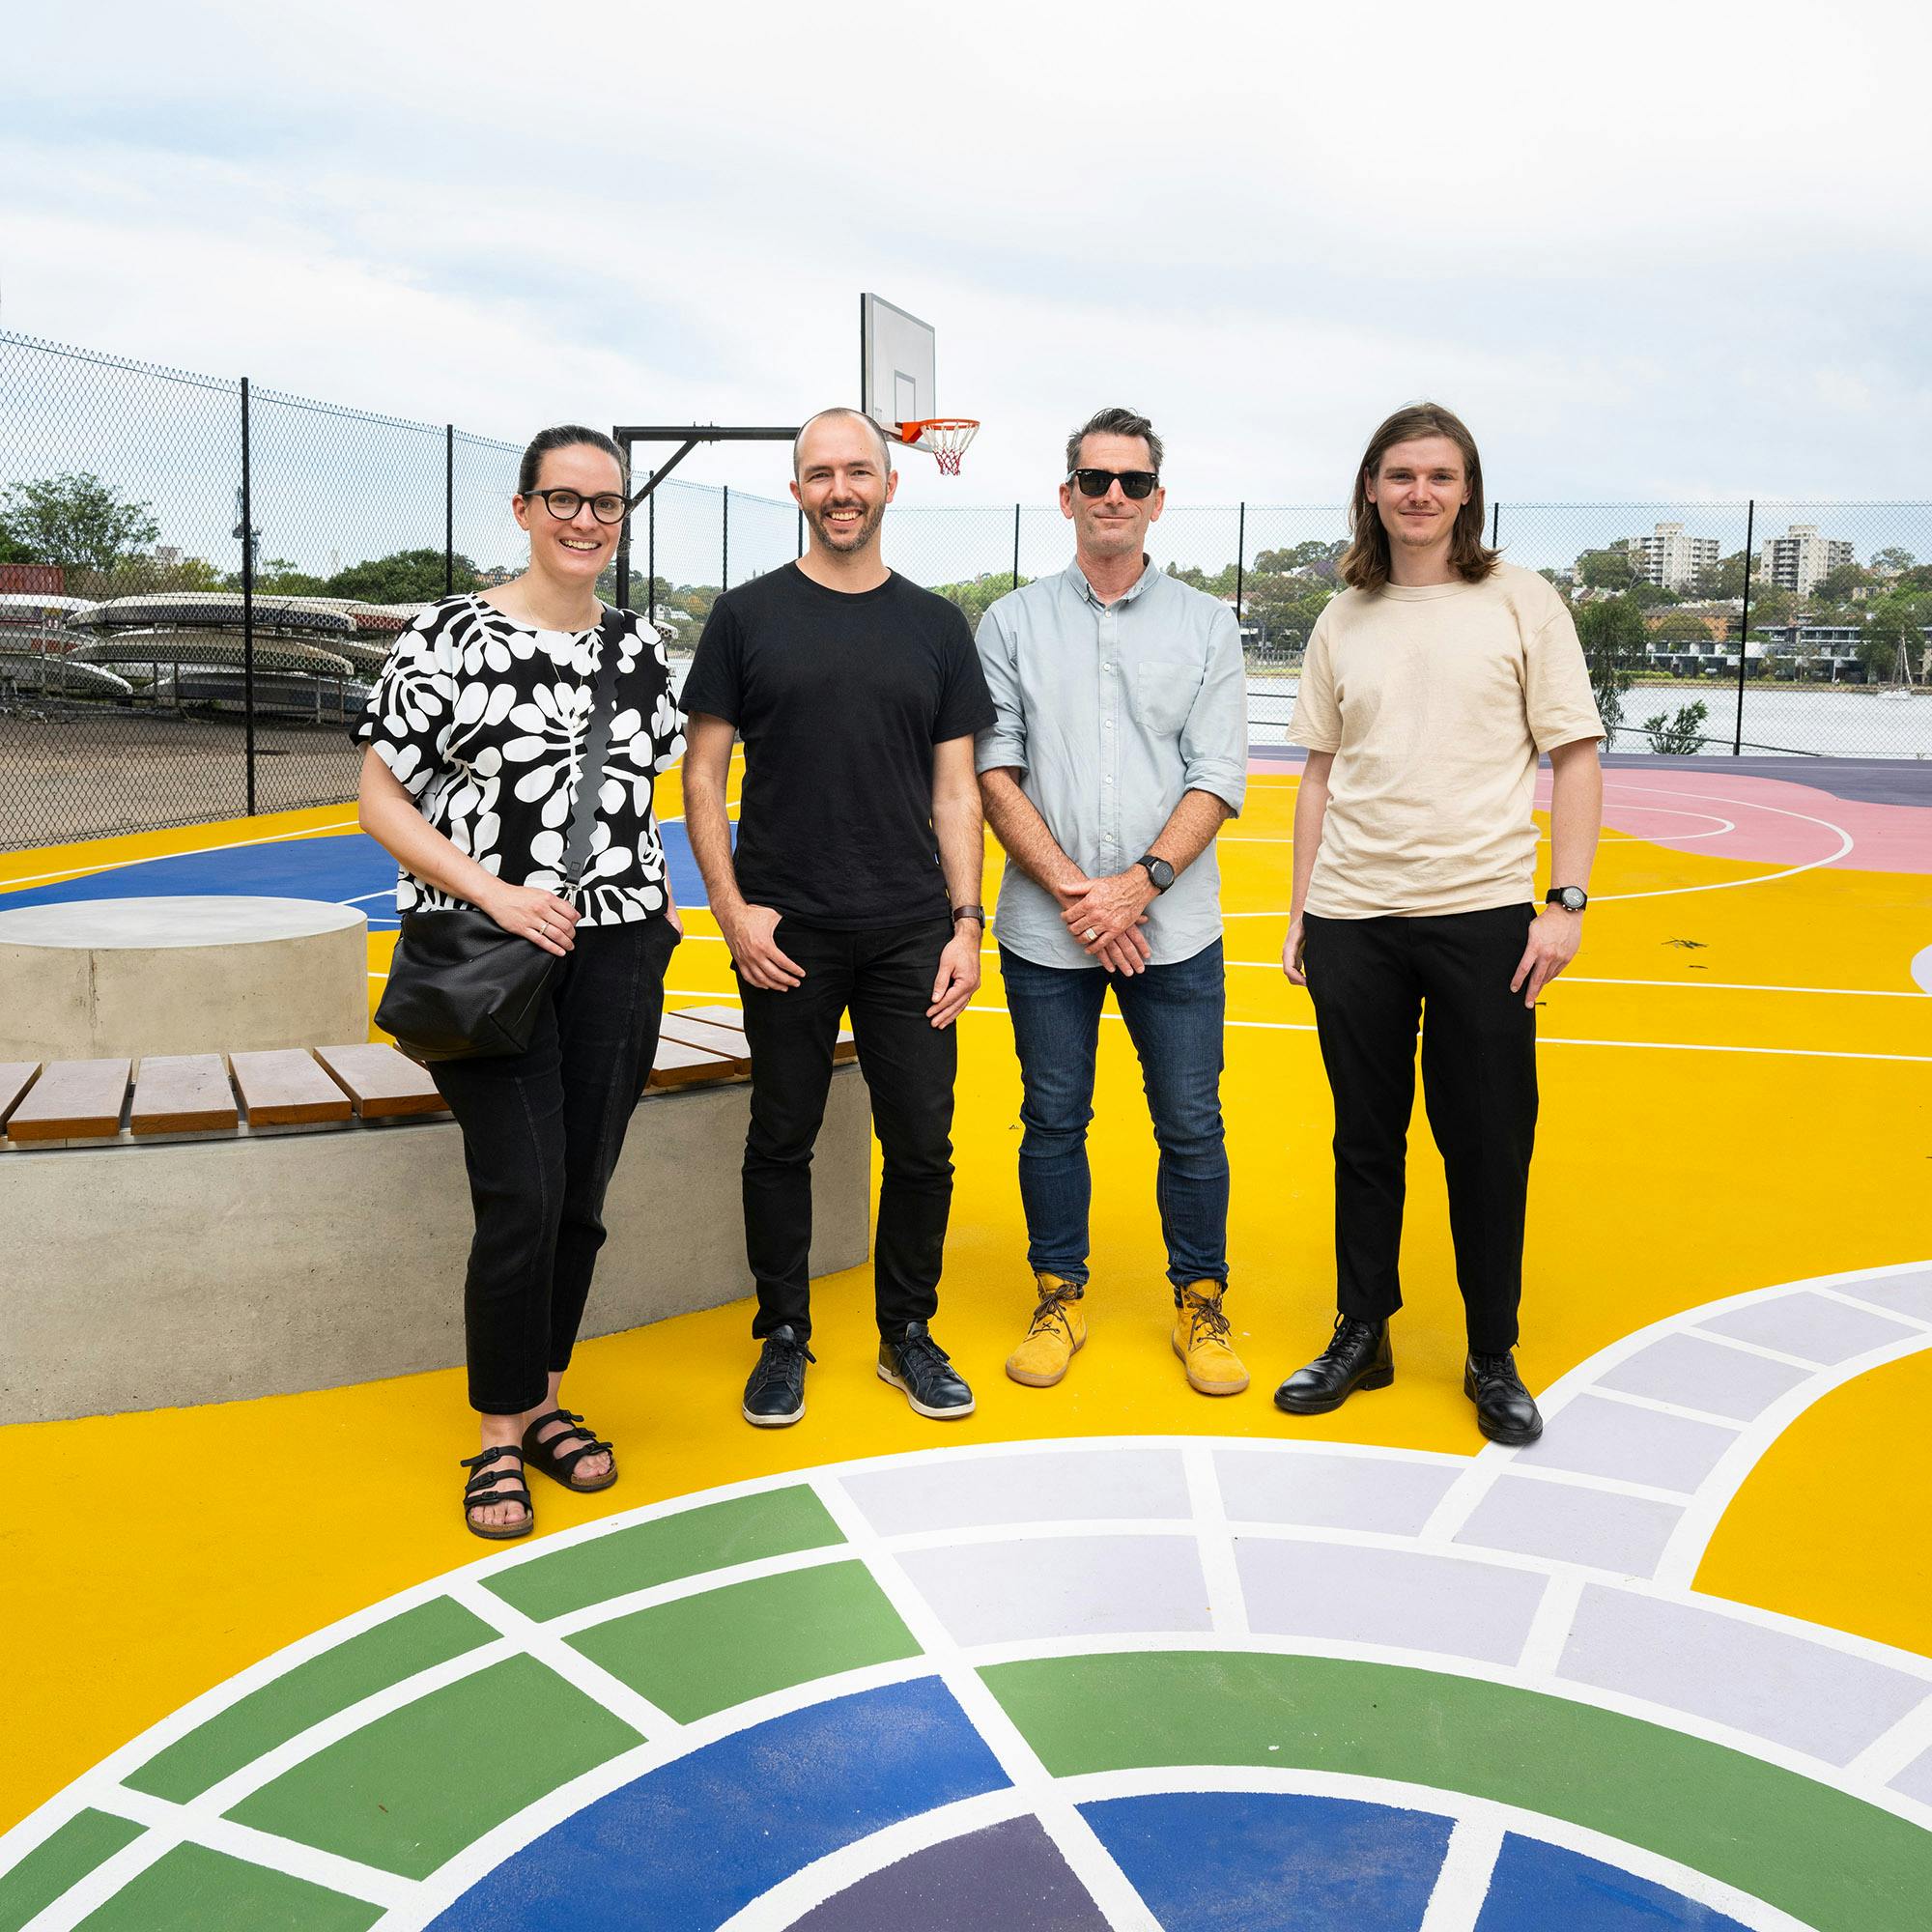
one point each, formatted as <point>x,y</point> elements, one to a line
<point>1724,578</point>
<point>1650,596</point>
<point>1614,638</point>
<point>1891,561</point>
<point>1679,734</point>
<point>1836,586</point>
<point>1676,627</point>
<point>1606,569</point>
<point>75,521</point>
<point>1897,622</point>
<point>403,576</point>
<point>1309,556</point>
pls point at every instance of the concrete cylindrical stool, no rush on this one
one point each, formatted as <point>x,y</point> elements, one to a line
<point>93,978</point>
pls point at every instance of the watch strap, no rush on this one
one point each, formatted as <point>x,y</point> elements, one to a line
<point>977,912</point>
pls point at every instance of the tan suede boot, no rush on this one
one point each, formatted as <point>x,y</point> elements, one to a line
<point>1058,1333</point>
<point>1201,1341</point>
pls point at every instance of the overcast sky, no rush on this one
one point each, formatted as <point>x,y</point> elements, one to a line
<point>1650,252</point>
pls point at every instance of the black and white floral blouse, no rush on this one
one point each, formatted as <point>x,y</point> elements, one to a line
<point>483,724</point>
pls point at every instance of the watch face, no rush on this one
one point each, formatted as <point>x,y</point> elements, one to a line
<point>1571,898</point>
<point>1160,872</point>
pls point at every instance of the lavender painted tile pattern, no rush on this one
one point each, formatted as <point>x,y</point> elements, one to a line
<point>1591,1436</point>
<point>1567,1523</point>
<point>1321,1491</point>
<point>1809,1326</point>
<point>979,1491</point>
<point>1698,1374</point>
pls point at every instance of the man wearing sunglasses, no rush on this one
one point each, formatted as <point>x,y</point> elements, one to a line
<point>1119,749</point>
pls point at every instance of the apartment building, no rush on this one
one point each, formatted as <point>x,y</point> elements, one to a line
<point>1799,559</point>
<point>1670,558</point>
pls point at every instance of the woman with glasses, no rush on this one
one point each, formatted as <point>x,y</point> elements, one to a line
<point>476,735</point>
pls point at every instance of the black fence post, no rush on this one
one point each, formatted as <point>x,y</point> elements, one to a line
<point>1016,545</point>
<point>651,552</point>
<point>1743,625</point>
<point>801,529</point>
<point>1495,526</point>
<point>623,585</point>
<point>1240,559</point>
<point>724,527</point>
<point>247,608</point>
<point>448,508</point>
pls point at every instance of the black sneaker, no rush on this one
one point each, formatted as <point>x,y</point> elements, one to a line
<point>919,1367</point>
<point>775,1395</point>
<point>1506,1411</point>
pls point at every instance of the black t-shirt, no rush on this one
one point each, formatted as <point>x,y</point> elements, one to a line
<point>839,699</point>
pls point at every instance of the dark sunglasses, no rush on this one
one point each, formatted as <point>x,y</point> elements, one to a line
<point>564,505</point>
<point>1134,483</point>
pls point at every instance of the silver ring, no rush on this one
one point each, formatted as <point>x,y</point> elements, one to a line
<point>543,926</point>
<point>1092,934</point>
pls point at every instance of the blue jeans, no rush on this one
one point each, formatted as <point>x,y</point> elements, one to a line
<point>1174,1015</point>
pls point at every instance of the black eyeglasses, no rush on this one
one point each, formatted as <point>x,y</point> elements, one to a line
<point>1134,483</point>
<point>564,505</point>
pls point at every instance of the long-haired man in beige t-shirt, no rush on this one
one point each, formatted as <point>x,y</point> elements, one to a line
<point>1431,686</point>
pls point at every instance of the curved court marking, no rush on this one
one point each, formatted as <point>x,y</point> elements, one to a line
<point>190,851</point>
<point>1548,1600</point>
<point>1725,885</point>
<point>825,1878</point>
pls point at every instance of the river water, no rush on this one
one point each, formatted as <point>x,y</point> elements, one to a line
<point>1852,724</point>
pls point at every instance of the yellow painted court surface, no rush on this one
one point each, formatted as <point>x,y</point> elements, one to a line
<point>1749,1109</point>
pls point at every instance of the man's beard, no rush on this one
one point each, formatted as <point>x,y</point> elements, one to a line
<point>860,535</point>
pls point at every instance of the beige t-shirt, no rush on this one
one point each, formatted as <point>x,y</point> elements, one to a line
<point>1435,700</point>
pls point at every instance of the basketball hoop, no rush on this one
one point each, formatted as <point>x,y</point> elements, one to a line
<point>943,436</point>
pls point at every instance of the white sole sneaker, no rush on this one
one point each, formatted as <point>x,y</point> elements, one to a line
<point>919,1408</point>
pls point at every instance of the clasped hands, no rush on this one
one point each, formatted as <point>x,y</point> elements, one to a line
<point>750,936</point>
<point>1105,917</point>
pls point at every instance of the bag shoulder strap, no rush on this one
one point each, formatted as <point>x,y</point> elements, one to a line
<point>596,748</point>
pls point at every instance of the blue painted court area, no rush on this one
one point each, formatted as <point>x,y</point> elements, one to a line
<point>345,869</point>
<point>685,1846</point>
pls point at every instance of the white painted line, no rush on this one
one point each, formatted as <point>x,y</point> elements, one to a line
<point>1463,1882</point>
<point>1074,1838</point>
<point>1874,1308</point>
<point>1658,1407</point>
<point>189,852</point>
<point>538,1640</point>
<point>1725,885</point>
<point>1227,1604</point>
<point>87,1896</point>
<point>329,1869</point>
<point>1549,1631</point>
<point>1743,1347</point>
<point>1903,1745</point>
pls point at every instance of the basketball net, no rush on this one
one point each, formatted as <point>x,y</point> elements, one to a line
<point>944,438</point>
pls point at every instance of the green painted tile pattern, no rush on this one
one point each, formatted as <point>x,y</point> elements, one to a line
<point>774,1523</point>
<point>59,1861</point>
<point>1827,1858</point>
<point>410,1790</point>
<point>193,1890</point>
<point>358,1668</point>
<point>700,1654</point>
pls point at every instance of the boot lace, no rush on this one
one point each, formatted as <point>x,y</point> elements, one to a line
<point>1349,1336</point>
<point>780,1360</point>
<point>1053,1307</point>
<point>1497,1369</point>
<point>1207,1312</point>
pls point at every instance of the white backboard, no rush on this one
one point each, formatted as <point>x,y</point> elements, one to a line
<point>895,363</point>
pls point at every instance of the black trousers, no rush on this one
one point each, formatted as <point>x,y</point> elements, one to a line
<point>1371,981</point>
<point>542,1131</point>
<point>885,977</point>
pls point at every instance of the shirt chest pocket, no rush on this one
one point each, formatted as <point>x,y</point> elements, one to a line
<point>1163,694</point>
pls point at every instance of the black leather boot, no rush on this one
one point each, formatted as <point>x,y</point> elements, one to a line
<point>1506,1411</point>
<point>1358,1357</point>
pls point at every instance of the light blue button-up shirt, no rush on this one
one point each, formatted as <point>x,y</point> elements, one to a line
<point>1110,712</point>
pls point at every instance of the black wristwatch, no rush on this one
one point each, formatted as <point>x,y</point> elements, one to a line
<point>1161,875</point>
<point>1571,898</point>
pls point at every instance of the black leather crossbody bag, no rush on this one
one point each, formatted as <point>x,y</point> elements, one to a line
<point>459,986</point>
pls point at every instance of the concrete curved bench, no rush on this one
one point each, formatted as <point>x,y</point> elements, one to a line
<point>188,1229</point>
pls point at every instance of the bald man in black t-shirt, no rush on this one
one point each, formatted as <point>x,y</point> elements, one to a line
<point>855,884</point>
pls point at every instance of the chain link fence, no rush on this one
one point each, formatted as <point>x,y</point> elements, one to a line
<point>199,579</point>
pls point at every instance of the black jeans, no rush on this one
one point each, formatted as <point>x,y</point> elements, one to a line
<point>542,1131</point>
<point>885,977</point>
<point>1371,980</point>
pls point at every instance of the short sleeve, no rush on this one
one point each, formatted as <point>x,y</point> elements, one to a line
<point>1003,745</point>
<point>1557,697</point>
<point>965,706</point>
<point>1214,739</point>
<point>715,684</point>
<point>1318,717</point>
<point>408,720</point>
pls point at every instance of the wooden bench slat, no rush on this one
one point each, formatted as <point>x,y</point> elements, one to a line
<point>727,1043</point>
<point>676,1064</point>
<point>73,1099</point>
<point>381,1083</point>
<point>181,1094</point>
<point>15,1077</point>
<point>282,1087</point>
<point>844,1048</point>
